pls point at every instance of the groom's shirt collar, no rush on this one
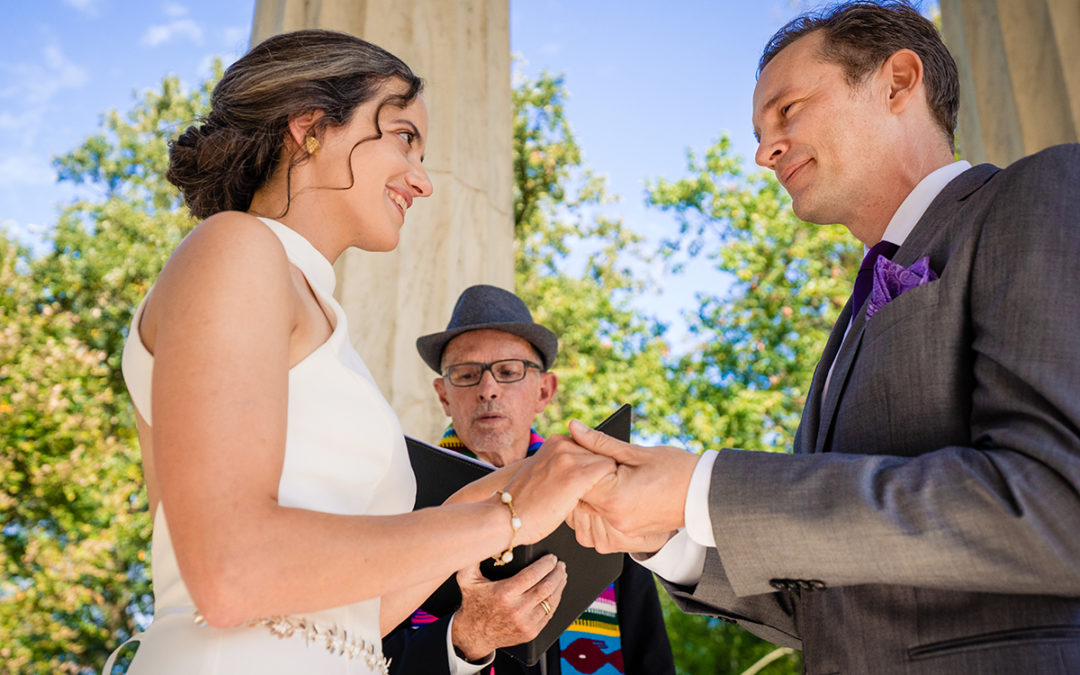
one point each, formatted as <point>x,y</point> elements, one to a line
<point>903,222</point>
<point>918,200</point>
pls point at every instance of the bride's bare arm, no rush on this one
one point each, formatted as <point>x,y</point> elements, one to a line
<point>220,326</point>
<point>396,606</point>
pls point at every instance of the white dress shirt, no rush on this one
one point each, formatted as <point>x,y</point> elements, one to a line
<point>682,559</point>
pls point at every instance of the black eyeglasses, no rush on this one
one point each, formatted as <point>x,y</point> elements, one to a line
<point>504,371</point>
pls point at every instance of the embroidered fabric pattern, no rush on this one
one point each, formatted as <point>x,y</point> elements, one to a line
<point>335,640</point>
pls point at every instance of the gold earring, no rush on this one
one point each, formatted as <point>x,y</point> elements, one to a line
<point>312,144</point>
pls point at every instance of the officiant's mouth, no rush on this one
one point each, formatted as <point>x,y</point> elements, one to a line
<point>488,418</point>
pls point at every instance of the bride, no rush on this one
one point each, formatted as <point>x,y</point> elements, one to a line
<point>277,473</point>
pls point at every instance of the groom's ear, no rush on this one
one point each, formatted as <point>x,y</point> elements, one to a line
<point>903,73</point>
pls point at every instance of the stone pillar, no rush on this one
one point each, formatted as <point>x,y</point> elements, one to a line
<point>463,234</point>
<point>1019,64</point>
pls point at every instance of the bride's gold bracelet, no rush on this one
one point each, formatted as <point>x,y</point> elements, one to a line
<point>515,524</point>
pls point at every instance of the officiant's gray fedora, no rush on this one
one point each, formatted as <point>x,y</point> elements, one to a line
<point>483,306</point>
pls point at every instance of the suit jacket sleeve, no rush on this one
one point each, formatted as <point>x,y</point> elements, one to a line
<point>769,616</point>
<point>953,461</point>
<point>418,651</point>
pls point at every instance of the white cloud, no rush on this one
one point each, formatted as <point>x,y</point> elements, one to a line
<point>236,37</point>
<point>32,236</point>
<point>9,122</point>
<point>178,28</point>
<point>551,48</point>
<point>35,83</point>
<point>89,7</point>
<point>26,171</point>
<point>174,10</point>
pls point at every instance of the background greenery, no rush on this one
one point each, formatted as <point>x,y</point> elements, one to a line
<point>74,550</point>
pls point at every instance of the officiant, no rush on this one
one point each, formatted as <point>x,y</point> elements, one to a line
<point>494,365</point>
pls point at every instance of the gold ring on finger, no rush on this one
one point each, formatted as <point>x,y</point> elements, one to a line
<point>546,606</point>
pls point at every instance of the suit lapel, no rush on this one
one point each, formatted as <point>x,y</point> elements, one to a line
<point>806,436</point>
<point>944,206</point>
<point>840,369</point>
<point>821,406</point>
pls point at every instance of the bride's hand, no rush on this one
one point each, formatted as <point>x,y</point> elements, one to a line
<point>481,489</point>
<point>548,485</point>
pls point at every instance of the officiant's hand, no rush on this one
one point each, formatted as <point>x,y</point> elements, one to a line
<point>645,498</point>
<point>508,612</point>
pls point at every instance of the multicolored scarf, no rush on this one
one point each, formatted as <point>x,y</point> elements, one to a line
<point>451,441</point>
<point>589,646</point>
<point>592,644</point>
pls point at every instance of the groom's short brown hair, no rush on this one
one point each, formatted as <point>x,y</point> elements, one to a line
<point>860,36</point>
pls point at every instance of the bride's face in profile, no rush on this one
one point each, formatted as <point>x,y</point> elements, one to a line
<point>385,173</point>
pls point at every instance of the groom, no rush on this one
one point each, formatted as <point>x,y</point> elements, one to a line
<point>927,521</point>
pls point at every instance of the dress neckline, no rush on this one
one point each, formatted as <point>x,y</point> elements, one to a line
<point>318,270</point>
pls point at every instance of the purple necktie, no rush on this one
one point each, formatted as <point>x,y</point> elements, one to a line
<point>864,280</point>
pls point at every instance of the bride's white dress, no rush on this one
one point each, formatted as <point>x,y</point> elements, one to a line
<point>344,454</point>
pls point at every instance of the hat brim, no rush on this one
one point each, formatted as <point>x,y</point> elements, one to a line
<point>431,347</point>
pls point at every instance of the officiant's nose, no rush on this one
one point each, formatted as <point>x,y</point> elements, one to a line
<point>488,388</point>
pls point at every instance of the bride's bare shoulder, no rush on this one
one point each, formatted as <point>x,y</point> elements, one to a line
<point>227,244</point>
<point>231,257</point>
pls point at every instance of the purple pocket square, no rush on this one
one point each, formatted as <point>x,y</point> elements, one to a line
<point>892,279</point>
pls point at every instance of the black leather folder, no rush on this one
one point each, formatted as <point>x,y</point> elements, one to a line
<point>440,472</point>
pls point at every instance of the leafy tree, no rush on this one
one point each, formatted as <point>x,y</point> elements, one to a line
<point>65,583</point>
<point>573,269</point>
<point>608,352</point>
<point>75,522</point>
<point>704,644</point>
<point>745,383</point>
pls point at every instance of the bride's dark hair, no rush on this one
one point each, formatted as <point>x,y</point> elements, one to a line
<point>219,163</point>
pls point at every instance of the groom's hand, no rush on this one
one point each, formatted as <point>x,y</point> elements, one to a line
<point>593,531</point>
<point>645,498</point>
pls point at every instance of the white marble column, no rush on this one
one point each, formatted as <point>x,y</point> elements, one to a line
<point>1019,63</point>
<point>463,234</point>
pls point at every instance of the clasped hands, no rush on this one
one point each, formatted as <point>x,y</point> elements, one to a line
<point>637,507</point>
<point>616,496</point>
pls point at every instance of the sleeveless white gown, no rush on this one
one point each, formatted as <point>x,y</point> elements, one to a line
<point>344,454</point>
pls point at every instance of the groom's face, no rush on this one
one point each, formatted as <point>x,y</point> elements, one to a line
<point>824,138</point>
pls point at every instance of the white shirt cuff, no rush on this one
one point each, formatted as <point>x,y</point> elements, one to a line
<point>458,665</point>
<point>680,561</point>
<point>698,520</point>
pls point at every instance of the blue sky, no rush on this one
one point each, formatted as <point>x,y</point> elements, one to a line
<point>647,81</point>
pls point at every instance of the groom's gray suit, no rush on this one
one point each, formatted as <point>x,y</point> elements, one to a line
<point>931,520</point>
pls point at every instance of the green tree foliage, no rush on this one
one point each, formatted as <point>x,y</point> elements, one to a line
<point>76,527</point>
<point>68,558</point>
<point>608,352</point>
<point>745,383</point>
<point>573,269</point>
<point>704,644</point>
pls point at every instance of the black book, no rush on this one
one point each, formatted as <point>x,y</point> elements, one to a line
<point>440,472</point>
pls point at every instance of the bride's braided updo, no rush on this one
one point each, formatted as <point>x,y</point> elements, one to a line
<point>219,163</point>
